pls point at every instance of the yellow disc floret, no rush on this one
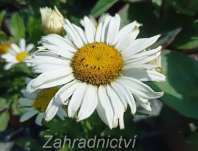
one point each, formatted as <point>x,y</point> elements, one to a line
<point>4,47</point>
<point>97,63</point>
<point>21,55</point>
<point>43,98</point>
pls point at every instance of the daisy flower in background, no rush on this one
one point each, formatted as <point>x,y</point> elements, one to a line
<point>36,104</point>
<point>52,20</point>
<point>4,47</point>
<point>99,68</point>
<point>17,53</point>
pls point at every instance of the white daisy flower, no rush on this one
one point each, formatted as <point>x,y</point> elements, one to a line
<point>52,20</point>
<point>36,104</point>
<point>17,54</point>
<point>99,67</point>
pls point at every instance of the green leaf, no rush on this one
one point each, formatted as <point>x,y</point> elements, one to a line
<point>144,14</point>
<point>181,85</point>
<point>167,38</point>
<point>187,7</point>
<point>3,36</point>
<point>193,140</point>
<point>124,14</point>
<point>102,6</point>
<point>4,119</point>
<point>17,27</point>
<point>27,142</point>
<point>3,104</point>
<point>188,38</point>
<point>2,14</point>
<point>6,146</point>
<point>65,148</point>
<point>157,2</point>
<point>34,28</point>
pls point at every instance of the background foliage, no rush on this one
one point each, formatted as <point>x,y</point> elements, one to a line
<point>173,128</point>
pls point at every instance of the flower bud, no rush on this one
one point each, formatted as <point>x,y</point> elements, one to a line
<point>52,20</point>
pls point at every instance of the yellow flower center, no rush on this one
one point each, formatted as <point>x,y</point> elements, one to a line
<point>97,63</point>
<point>4,47</point>
<point>43,98</point>
<point>21,55</point>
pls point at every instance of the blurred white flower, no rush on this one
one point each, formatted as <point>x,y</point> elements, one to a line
<point>17,53</point>
<point>36,104</point>
<point>99,68</point>
<point>52,20</point>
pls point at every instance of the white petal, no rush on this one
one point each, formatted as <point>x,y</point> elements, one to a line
<point>147,60</point>
<point>106,19</point>
<point>66,91</point>
<point>89,103</point>
<point>69,41</point>
<point>29,47</point>
<point>51,49</point>
<point>90,29</point>
<point>76,99</point>
<point>22,44</point>
<point>101,113</point>
<point>145,54</point>
<point>138,66</point>
<point>15,48</point>
<point>125,95</point>
<point>28,115</point>
<point>139,45</point>
<point>122,98</point>
<point>52,109</point>
<point>50,79</point>
<point>41,63</point>
<point>127,35</point>
<point>117,106</point>
<point>59,42</point>
<point>25,102</point>
<point>39,119</point>
<point>26,94</point>
<point>98,32</point>
<point>73,34</point>
<point>144,75</point>
<point>9,66</point>
<point>61,113</point>
<point>41,68</point>
<point>104,108</point>
<point>81,34</point>
<point>144,103</point>
<point>55,104</point>
<point>113,30</point>
<point>139,88</point>
<point>144,60</point>
<point>47,60</point>
<point>9,57</point>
